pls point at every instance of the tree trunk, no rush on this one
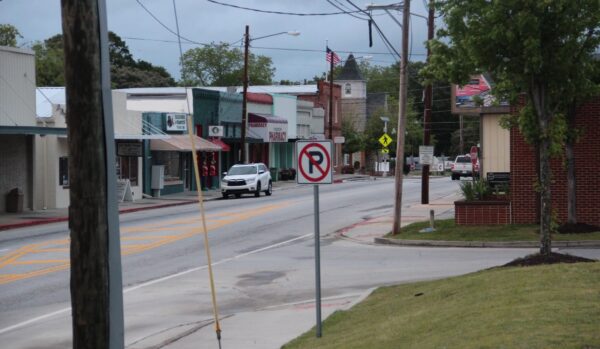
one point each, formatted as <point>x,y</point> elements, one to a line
<point>538,98</point>
<point>545,197</point>
<point>571,180</point>
<point>88,220</point>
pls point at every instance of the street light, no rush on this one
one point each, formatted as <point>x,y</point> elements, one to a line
<point>244,155</point>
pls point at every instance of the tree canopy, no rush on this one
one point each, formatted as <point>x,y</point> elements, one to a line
<point>9,35</point>
<point>125,70</point>
<point>221,65</point>
<point>542,49</point>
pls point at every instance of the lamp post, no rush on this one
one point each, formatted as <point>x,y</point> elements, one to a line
<point>244,155</point>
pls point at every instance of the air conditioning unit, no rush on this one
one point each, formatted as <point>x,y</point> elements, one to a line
<point>215,131</point>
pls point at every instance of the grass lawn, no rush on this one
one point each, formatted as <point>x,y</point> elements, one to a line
<point>550,306</point>
<point>447,230</point>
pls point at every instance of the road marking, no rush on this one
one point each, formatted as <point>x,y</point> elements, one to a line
<point>159,280</point>
<point>187,228</point>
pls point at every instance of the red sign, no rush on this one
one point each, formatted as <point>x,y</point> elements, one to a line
<point>473,153</point>
<point>314,162</point>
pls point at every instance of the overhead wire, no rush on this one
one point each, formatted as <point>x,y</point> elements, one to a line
<point>349,13</point>
<point>381,34</point>
<point>167,27</point>
<point>280,12</point>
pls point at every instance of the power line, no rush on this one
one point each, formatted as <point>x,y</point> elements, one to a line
<point>166,27</point>
<point>385,39</point>
<point>350,14</point>
<point>280,12</point>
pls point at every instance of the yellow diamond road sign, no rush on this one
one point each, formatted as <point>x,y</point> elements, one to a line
<point>385,140</point>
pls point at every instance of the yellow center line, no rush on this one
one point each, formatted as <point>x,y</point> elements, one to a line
<point>41,261</point>
<point>188,226</point>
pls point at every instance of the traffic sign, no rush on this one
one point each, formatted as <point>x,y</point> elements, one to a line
<point>426,154</point>
<point>385,150</point>
<point>473,152</point>
<point>314,162</point>
<point>385,140</point>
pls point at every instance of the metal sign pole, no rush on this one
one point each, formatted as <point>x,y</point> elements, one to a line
<point>317,261</point>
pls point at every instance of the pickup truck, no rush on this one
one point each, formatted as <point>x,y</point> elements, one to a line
<point>462,167</point>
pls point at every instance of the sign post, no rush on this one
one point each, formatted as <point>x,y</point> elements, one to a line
<point>314,167</point>
<point>474,156</point>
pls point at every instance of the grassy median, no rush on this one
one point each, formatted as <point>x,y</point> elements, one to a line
<point>446,230</point>
<point>550,306</point>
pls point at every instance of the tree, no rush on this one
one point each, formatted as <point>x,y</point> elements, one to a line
<point>125,70</point>
<point>8,35</point>
<point>353,139</point>
<point>221,65</point>
<point>542,49</point>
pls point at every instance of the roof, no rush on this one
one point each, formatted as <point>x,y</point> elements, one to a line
<point>260,98</point>
<point>350,70</point>
<point>153,90</point>
<point>45,97</point>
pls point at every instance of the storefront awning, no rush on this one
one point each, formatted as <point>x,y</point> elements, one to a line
<point>269,128</point>
<point>224,146</point>
<point>182,143</point>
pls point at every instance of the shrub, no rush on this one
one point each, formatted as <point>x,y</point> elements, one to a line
<point>475,190</point>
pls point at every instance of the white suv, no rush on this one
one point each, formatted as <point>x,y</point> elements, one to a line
<point>250,178</point>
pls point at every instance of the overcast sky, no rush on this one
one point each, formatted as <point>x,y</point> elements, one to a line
<point>205,22</point>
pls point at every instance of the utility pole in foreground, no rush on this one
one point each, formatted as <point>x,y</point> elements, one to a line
<point>96,284</point>
<point>401,119</point>
<point>427,112</point>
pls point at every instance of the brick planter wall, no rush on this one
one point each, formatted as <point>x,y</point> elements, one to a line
<point>481,212</point>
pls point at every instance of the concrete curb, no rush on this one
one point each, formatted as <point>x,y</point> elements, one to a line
<point>490,244</point>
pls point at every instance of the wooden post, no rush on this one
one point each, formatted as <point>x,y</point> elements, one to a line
<point>401,119</point>
<point>96,285</point>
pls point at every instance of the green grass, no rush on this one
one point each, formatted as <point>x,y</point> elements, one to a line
<point>448,231</point>
<point>552,306</point>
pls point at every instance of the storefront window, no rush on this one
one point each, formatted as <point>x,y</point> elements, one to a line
<point>127,168</point>
<point>171,161</point>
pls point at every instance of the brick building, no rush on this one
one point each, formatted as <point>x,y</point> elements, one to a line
<point>524,169</point>
<point>321,99</point>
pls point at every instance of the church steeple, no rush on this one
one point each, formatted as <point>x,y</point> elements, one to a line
<point>350,71</point>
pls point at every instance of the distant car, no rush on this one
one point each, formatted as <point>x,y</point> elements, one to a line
<point>462,167</point>
<point>247,179</point>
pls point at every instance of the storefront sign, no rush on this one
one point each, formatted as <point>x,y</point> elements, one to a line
<point>269,129</point>
<point>176,122</point>
<point>129,149</point>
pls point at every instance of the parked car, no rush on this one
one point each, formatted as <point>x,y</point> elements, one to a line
<point>462,167</point>
<point>247,179</point>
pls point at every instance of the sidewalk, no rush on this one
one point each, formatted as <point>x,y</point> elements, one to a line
<point>273,327</point>
<point>30,218</point>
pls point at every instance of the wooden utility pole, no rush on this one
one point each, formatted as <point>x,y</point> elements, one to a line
<point>96,284</point>
<point>427,112</point>
<point>243,158</point>
<point>401,119</point>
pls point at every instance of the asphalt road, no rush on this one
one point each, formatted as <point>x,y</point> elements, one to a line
<point>263,254</point>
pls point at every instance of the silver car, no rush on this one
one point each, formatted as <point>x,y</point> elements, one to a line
<point>245,179</point>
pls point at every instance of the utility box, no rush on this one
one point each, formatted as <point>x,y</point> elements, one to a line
<point>14,201</point>
<point>158,179</point>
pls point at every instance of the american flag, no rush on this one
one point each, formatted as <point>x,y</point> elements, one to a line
<point>332,55</point>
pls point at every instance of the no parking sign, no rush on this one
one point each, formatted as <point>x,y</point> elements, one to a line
<point>314,162</point>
